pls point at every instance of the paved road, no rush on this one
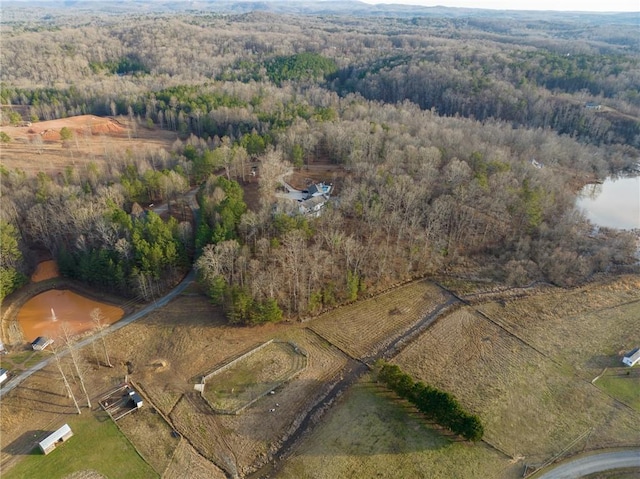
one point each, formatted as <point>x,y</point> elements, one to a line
<point>114,327</point>
<point>593,463</point>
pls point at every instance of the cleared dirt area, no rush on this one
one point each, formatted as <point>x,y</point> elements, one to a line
<point>39,147</point>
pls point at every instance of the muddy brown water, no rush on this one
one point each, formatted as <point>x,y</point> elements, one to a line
<point>44,314</point>
<point>45,270</point>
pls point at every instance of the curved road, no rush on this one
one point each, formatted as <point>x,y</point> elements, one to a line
<point>593,463</point>
<point>114,327</point>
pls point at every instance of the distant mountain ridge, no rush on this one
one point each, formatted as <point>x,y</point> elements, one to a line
<point>320,7</point>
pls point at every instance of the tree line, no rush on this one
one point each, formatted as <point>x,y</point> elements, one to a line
<point>435,404</point>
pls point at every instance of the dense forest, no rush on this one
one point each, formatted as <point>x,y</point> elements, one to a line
<point>461,143</point>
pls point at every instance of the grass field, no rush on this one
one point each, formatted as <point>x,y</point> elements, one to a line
<point>526,371</point>
<point>97,444</point>
<point>151,435</point>
<point>370,433</point>
<point>529,376</point>
<point>253,376</point>
<point>623,384</point>
<point>363,328</point>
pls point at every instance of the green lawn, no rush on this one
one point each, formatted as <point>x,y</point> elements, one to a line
<point>371,434</point>
<point>96,445</point>
<point>622,387</point>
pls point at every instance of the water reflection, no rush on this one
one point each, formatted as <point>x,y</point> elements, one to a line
<point>613,204</point>
<point>44,314</point>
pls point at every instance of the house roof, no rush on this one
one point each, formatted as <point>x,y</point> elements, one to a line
<point>41,341</point>
<point>633,355</point>
<point>3,371</point>
<point>54,436</point>
<point>318,189</point>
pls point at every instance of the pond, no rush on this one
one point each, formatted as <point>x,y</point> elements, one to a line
<point>44,314</point>
<point>612,204</point>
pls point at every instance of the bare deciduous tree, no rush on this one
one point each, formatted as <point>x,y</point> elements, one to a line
<point>97,317</point>
<point>75,359</point>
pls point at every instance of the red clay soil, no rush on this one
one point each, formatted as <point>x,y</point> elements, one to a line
<point>80,125</point>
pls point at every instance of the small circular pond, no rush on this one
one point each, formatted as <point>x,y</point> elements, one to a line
<point>44,314</point>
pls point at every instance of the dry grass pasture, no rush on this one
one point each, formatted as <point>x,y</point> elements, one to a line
<point>529,382</point>
<point>363,328</point>
<point>100,140</point>
<point>526,367</point>
<point>369,433</point>
<point>254,374</point>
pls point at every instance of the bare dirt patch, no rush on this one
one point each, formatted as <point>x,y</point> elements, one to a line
<point>99,140</point>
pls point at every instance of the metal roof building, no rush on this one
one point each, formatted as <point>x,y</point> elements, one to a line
<point>56,438</point>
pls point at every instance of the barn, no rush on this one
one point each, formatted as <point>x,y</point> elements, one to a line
<point>54,439</point>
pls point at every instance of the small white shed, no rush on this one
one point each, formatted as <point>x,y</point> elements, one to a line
<point>54,439</point>
<point>3,375</point>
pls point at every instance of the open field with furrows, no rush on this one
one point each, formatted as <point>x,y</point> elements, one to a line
<point>364,328</point>
<point>370,433</point>
<point>532,401</point>
<point>100,140</point>
<point>534,396</point>
<point>601,321</point>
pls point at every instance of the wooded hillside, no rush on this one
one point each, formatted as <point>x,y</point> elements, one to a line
<point>456,145</point>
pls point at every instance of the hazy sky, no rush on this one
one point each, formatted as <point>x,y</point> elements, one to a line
<point>566,5</point>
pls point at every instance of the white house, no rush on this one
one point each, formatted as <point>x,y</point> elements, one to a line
<point>632,358</point>
<point>54,439</point>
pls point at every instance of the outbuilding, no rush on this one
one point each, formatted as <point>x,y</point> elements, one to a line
<point>54,439</point>
<point>3,375</point>
<point>136,400</point>
<point>632,358</point>
<point>40,343</point>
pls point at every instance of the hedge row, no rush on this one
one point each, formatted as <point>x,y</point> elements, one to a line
<point>438,405</point>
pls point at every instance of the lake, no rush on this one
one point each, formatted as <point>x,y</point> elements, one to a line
<point>612,204</point>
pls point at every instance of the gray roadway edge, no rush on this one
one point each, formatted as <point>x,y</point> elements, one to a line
<point>545,473</point>
<point>14,382</point>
